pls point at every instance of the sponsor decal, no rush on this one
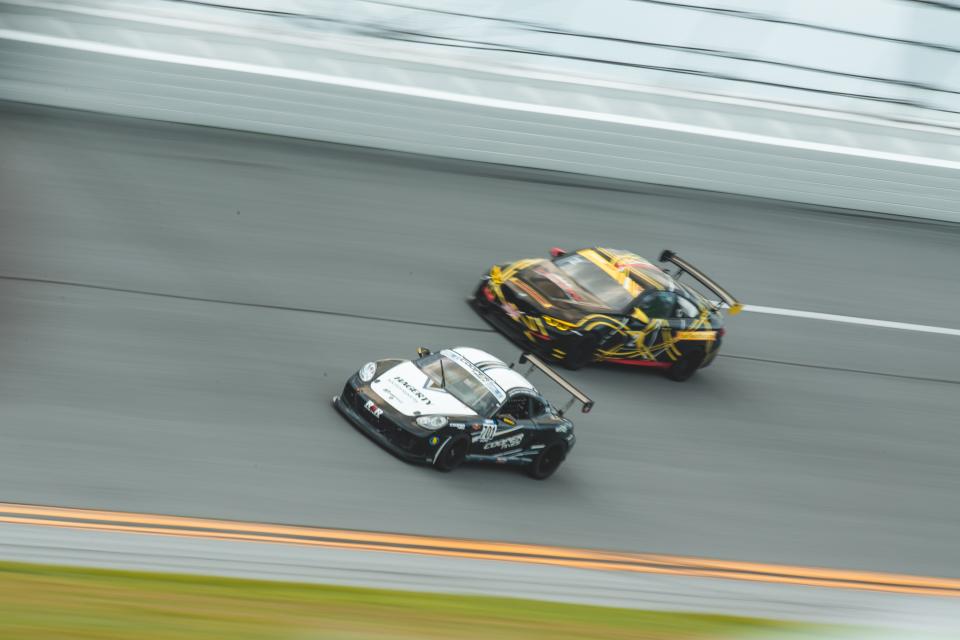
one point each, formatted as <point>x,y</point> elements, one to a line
<point>458,425</point>
<point>695,335</point>
<point>373,408</point>
<point>506,443</point>
<point>487,432</point>
<point>411,390</point>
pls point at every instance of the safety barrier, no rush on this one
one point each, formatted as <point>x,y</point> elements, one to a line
<point>547,124</point>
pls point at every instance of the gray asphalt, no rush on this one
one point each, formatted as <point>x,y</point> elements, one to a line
<point>232,558</point>
<point>178,304</point>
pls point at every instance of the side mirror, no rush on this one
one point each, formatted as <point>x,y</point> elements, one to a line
<point>423,352</point>
<point>556,252</point>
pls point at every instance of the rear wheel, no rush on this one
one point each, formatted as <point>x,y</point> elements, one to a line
<point>453,453</point>
<point>687,365</point>
<point>547,461</point>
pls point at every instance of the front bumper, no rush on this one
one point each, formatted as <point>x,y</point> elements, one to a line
<point>389,435</point>
<point>551,346</point>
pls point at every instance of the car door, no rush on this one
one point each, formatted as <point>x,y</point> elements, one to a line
<point>514,424</point>
<point>657,309</point>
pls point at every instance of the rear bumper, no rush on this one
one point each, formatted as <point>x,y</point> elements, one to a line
<point>392,437</point>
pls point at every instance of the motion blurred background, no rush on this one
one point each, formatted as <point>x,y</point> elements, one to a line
<point>212,213</point>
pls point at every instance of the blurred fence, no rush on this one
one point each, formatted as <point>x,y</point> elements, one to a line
<point>898,59</point>
<point>243,69</point>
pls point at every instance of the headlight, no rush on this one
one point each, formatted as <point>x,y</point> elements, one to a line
<point>367,371</point>
<point>432,422</point>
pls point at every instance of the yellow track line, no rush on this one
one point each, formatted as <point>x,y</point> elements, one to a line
<point>486,550</point>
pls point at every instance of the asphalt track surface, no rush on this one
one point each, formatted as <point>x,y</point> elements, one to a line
<point>178,304</point>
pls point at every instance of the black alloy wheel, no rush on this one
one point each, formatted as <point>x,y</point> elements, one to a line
<point>453,453</point>
<point>687,365</point>
<point>547,461</point>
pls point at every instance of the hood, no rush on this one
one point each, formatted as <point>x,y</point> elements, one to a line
<point>407,390</point>
<point>549,289</point>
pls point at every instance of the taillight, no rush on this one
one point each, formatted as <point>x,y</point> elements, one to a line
<point>488,294</point>
<point>722,331</point>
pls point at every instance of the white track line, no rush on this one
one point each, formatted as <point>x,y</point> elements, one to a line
<point>886,324</point>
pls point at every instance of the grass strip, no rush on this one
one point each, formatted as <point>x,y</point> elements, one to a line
<point>40,602</point>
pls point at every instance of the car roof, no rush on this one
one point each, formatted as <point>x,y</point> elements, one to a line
<point>643,272</point>
<point>508,379</point>
<point>496,369</point>
<point>647,275</point>
<point>478,356</point>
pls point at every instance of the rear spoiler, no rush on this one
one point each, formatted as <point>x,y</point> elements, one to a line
<point>579,396</point>
<point>731,302</point>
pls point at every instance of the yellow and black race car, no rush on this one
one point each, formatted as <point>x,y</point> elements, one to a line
<point>606,305</point>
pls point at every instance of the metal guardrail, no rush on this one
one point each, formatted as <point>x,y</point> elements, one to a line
<point>600,129</point>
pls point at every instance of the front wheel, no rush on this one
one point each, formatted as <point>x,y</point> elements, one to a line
<point>547,461</point>
<point>452,454</point>
<point>581,353</point>
<point>687,365</point>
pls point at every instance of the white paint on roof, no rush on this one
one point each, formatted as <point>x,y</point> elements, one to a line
<point>508,379</point>
<point>478,356</point>
<point>495,368</point>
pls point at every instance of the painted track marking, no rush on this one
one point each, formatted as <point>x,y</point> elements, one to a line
<point>885,324</point>
<point>476,549</point>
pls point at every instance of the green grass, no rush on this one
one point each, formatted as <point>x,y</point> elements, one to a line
<point>47,602</point>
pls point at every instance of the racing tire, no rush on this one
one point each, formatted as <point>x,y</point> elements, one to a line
<point>453,453</point>
<point>547,461</point>
<point>581,353</point>
<point>687,365</point>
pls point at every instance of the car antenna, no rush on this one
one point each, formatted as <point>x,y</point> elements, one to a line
<point>443,376</point>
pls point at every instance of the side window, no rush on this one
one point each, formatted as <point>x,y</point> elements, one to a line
<point>516,407</point>
<point>658,304</point>
<point>537,407</point>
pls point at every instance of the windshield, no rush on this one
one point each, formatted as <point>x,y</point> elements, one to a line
<point>458,382</point>
<point>595,281</point>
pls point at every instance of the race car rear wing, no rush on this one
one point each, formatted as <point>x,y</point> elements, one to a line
<point>576,394</point>
<point>725,297</point>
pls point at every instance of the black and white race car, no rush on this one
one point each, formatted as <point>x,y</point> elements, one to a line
<point>461,404</point>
